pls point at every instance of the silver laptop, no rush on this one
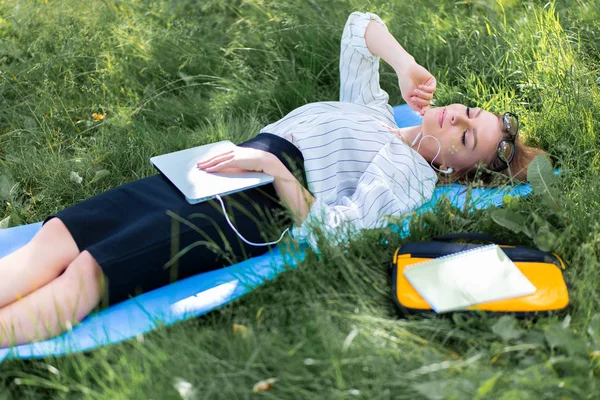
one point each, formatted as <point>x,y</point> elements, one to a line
<point>197,185</point>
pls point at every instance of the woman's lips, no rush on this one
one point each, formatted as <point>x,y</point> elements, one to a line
<point>442,117</point>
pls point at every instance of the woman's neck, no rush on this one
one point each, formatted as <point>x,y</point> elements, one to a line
<point>428,147</point>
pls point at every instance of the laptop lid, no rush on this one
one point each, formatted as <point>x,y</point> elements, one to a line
<point>197,185</point>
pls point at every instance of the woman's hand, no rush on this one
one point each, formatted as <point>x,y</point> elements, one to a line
<point>417,86</point>
<point>240,158</point>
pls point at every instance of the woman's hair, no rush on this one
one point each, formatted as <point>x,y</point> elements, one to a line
<point>517,168</point>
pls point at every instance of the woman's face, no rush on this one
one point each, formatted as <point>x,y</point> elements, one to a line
<point>480,130</point>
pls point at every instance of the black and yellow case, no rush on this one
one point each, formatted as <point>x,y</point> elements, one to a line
<point>543,269</point>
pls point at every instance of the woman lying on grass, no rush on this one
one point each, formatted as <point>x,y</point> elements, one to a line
<point>359,166</point>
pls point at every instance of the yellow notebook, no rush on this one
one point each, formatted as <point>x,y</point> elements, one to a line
<point>458,281</point>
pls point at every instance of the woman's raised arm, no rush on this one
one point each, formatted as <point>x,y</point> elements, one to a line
<point>359,68</point>
<point>416,83</point>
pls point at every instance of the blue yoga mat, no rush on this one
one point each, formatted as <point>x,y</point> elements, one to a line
<point>205,292</point>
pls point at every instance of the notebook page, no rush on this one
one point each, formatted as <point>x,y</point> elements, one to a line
<point>468,278</point>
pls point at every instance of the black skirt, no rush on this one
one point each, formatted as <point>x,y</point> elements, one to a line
<point>145,235</point>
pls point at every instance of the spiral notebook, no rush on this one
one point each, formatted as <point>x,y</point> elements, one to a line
<point>458,281</point>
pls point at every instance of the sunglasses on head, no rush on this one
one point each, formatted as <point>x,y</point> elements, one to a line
<point>506,147</point>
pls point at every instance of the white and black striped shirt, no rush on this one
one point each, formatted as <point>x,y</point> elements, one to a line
<point>356,169</point>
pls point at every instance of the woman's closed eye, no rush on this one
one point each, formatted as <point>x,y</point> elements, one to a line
<point>464,135</point>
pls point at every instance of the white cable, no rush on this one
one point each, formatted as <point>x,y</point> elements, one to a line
<point>241,237</point>
<point>447,171</point>
<point>415,140</point>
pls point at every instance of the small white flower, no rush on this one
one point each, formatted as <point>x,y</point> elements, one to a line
<point>309,361</point>
<point>185,389</point>
<point>354,392</point>
<point>139,338</point>
<point>17,381</point>
<point>265,385</point>
<point>75,177</point>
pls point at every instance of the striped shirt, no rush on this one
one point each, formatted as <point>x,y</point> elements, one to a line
<point>356,169</point>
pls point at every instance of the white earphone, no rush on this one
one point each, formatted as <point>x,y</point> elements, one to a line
<point>443,171</point>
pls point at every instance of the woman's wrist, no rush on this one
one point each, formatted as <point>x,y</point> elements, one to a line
<point>403,67</point>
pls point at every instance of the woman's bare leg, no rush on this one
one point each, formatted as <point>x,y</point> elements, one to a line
<point>41,260</point>
<point>52,309</point>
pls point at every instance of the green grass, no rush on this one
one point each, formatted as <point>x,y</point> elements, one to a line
<point>175,74</point>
